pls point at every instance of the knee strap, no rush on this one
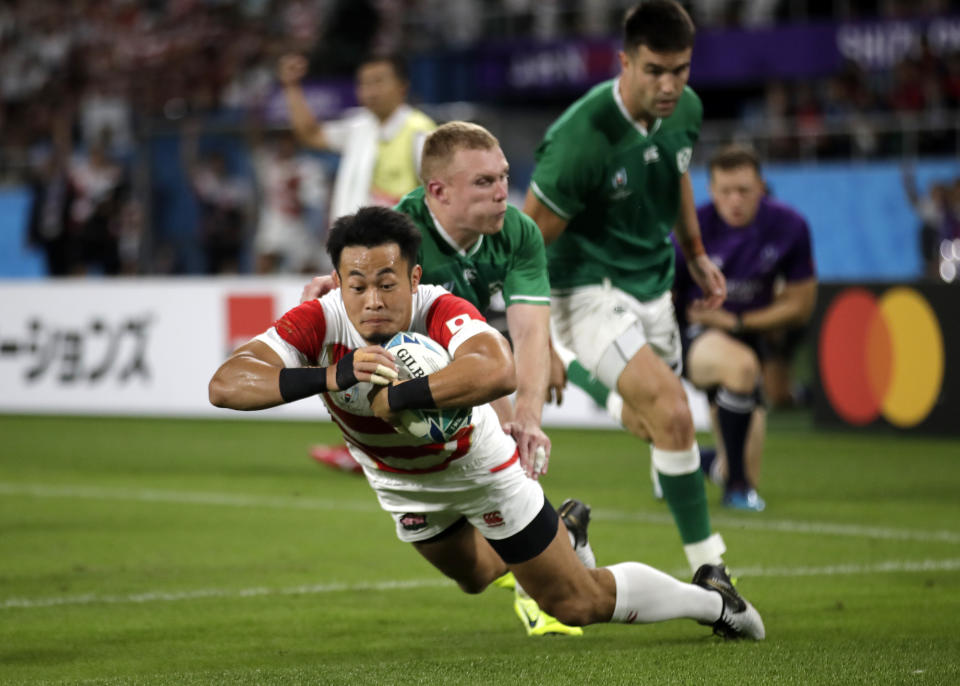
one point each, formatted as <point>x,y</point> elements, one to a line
<point>615,358</point>
<point>676,462</point>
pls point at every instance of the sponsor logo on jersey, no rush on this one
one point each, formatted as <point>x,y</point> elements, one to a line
<point>493,518</point>
<point>683,159</point>
<point>457,322</point>
<point>651,155</point>
<point>470,274</point>
<point>413,522</point>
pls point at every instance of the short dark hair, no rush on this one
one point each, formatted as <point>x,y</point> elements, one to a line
<point>661,25</point>
<point>395,60</point>
<point>372,227</point>
<point>734,156</point>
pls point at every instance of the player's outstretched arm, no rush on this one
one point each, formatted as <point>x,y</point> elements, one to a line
<point>254,376</point>
<point>290,72</point>
<point>248,380</point>
<point>529,327</point>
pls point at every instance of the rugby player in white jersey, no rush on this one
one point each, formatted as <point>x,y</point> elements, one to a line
<point>465,505</point>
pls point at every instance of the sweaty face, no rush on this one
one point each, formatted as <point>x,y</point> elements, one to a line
<point>475,189</point>
<point>736,193</point>
<point>377,287</point>
<point>379,89</point>
<point>651,82</point>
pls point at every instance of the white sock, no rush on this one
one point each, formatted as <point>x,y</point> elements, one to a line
<point>645,595</point>
<point>709,551</point>
<point>584,552</point>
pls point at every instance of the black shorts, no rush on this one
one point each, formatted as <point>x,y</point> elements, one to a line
<point>754,341</point>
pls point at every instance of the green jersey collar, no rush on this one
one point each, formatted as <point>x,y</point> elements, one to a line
<point>448,240</point>
<point>617,98</point>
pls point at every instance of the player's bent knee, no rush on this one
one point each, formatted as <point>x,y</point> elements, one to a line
<point>634,423</point>
<point>573,610</point>
<point>674,422</point>
<point>580,600</point>
<point>743,374</point>
<point>473,586</point>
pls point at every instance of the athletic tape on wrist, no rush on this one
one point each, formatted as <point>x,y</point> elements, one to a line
<point>301,382</point>
<point>346,377</point>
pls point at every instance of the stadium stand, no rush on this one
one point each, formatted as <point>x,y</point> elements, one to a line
<point>129,75</point>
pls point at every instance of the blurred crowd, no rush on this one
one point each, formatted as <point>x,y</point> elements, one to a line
<point>110,62</point>
<point>467,22</point>
<point>859,114</point>
<point>79,78</point>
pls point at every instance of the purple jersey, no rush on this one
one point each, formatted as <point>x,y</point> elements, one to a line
<point>775,244</point>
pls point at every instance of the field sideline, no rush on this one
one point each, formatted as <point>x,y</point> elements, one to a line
<point>193,552</point>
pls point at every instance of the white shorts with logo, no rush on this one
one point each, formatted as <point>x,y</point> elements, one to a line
<point>495,496</point>
<point>605,327</point>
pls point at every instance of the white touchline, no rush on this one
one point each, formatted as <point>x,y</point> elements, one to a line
<point>155,495</point>
<point>197,594</point>
<point>308,503</point>
<point>890,566</point>
<point>788,526</point>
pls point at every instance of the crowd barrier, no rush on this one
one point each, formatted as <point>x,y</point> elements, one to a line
<point>149,347</point>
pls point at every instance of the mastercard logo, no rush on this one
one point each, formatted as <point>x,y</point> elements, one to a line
<point>881,356</point>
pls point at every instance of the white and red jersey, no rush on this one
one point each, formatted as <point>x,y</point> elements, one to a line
<point>319,333</point>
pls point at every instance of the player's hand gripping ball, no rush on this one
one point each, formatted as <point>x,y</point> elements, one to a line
<point>417,355</point>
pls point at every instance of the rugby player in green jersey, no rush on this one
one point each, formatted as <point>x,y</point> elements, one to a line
<point>610,184</point>
<point>476,245</point>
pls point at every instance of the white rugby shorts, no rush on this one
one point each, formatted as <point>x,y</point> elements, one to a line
<point>605,327</point>
<point>499,501</point>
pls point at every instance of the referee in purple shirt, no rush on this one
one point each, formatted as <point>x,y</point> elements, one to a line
<point>763,248</point>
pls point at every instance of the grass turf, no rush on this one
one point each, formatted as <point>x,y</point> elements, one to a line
<point>195,552</point>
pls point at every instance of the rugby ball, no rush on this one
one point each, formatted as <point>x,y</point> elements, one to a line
<point>417,355</point>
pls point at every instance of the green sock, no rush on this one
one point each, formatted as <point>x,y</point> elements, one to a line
<point>687,499</point>
<point>579,376</point>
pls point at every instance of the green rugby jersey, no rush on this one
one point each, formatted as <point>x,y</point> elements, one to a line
<point>618,186</point>
<point>512,260</point>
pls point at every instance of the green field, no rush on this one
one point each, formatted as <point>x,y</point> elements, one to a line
<point>197,552</point>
